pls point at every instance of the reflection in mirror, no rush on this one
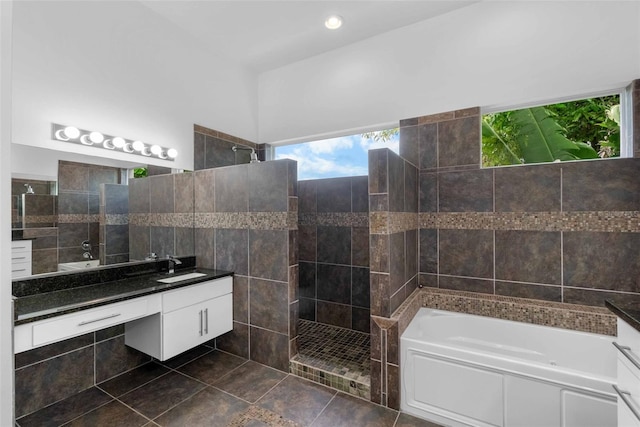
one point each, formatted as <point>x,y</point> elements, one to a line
<point>33,203</point>
<point>80,187</point>
<point>84,219</point>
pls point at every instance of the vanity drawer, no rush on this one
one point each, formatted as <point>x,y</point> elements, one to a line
<point>20,269</point>
<point>36,334</point>
<point>190,295</point>
<point>20,246</point>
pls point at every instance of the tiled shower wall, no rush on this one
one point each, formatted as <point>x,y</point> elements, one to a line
<point>333,224</point>
<point>393,204</point>
<point>212,149</point>
<point>161,216</point>
<point>246,222</point>
<point>114,223</point>
<point>565,232</point>
<point>79,207</point>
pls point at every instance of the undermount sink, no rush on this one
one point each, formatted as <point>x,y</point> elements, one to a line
<point>181,277</point>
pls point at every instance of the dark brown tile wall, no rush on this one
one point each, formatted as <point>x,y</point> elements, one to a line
<point>79,207</point>
<point>161,215</point>
<point>394,188</point>
<point>334,252</point>
<point>551,232</point>
<point>48,374</point>
<point>245,222</point>
<point>114,223</point>
<point>525,230</point>
<point>212,149</point>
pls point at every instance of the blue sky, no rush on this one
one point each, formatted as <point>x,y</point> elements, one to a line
<point>332,158</point>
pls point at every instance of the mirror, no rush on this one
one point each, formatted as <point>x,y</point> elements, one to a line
<point>81,218</point>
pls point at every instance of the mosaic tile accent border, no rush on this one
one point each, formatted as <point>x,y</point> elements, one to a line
<point>335,381</point>
<point>337,219</point>
<point>75,218</point>
<point>38,219</point>
<point>181,220</point>
<point>114,219</point>
<point>392,222</point>
<point>603,221</point>
<point>248,220</point>
<point>576,317</point>
<point>257,416</point>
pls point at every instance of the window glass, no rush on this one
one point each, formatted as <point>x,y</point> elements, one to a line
<point>583,129</point>
<point>337,157</point>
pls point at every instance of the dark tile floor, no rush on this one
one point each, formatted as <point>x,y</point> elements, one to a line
<point>206,387</point>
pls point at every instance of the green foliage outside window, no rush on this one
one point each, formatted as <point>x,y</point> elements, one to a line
<point>585,129</point>
<point>139,172</point>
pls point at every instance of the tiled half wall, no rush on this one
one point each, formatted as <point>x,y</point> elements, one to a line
<point>333,224</point>
<point>246,221</point>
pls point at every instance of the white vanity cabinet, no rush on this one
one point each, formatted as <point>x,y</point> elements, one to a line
<point>190,316</point>
<point>20,258</point>
<point>628,387</point>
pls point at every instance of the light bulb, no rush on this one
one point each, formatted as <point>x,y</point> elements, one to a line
<point>96,137</point>
<point>71,132</point>
<point>172,152</point>
<point>138,145</point>
<point>85,140</point>
<point>118,142</point>
<point>333,22</point>
<point>156,149</point>
<point>145,151</point>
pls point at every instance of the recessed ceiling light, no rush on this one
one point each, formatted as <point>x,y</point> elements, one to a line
<point>333,22</point>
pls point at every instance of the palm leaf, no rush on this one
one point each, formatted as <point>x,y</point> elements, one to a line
<point>541,140</point>
<point>489,135</point>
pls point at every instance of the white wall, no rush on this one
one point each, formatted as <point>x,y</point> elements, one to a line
<point>119,68</point>
<point>6,315</point>
<point>488,54</point>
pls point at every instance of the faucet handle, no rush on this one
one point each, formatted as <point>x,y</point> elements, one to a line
<point>151,256</point>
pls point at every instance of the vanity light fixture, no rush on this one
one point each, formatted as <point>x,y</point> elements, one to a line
<point>116,143</point>
<point>333,22</point>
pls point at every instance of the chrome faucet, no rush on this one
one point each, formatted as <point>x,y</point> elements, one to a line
<point>173,261</point>
<point>152,256</point>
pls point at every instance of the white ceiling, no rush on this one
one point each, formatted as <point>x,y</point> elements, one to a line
<point>264,35</point>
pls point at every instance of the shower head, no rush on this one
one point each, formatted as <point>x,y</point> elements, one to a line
<point>253,155</point>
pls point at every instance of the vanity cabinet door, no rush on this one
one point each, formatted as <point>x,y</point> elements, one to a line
<point>194,325</point>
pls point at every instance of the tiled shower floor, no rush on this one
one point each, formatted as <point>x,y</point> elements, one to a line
<point>335,357</point>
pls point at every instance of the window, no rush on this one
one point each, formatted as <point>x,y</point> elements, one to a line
<point>337,157</point>
<point>575,130</point>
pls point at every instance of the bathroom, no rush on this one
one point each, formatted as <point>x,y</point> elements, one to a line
<point>265,107</point>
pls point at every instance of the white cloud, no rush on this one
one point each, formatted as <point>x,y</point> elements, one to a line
<point>337,157</point>
<point>328,146</point>
<point>312,166</point>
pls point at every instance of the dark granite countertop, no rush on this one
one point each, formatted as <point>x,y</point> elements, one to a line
<point>630,313</point>
<point>44,299</point>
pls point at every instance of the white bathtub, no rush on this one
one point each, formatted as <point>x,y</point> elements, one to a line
<point>464,370</point>
<point>79,265</point>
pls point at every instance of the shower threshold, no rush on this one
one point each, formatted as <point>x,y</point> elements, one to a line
<point>336,357</point>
